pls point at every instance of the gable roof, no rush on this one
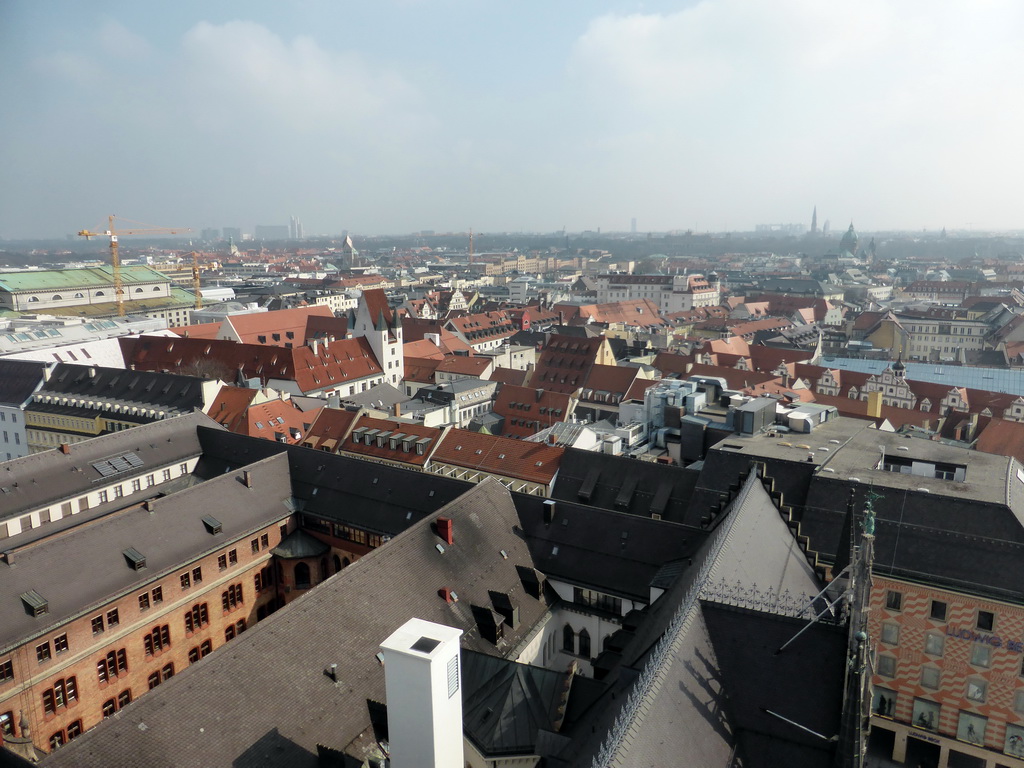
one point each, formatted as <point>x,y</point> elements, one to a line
<point>509,376</point>
<point>565,362</point>
<point>229,406</point>
<point>274,327</point>
<point>504,456</point>
<point>475,366</point>
<point>277,420</point>
<point>169,392</point>
<point>610,379</point>
<point>527,411</point>
<point>329,429</point>
<point>413,443</point>
<point>18,380</point>
<point>332,363</point>
<point>376,302</point>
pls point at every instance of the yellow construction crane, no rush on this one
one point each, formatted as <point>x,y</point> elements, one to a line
<point>115,264</point>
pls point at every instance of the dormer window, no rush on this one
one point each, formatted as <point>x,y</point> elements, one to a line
<point>35,604</point>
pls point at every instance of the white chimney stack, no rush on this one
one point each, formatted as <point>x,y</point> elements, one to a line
<point>423,683</point>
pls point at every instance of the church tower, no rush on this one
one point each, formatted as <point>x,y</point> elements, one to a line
<point>381,326</point>
<point>814,221</point>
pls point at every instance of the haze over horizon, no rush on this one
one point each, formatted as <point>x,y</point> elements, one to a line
<point>404,115</point>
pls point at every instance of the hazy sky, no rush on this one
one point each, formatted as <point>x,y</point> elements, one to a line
<point>390,116</point>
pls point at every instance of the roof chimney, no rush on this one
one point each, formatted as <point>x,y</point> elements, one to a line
<point>444,529</point>
<point>549,511</point>
<point>398,410</point>
<point>65,448</point>
<point>247,478</point>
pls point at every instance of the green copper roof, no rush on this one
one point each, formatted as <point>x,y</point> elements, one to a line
<point>68,279</point>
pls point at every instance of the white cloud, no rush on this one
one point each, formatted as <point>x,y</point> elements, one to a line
<point>242,65</point>
<point>118,41</point>
<point>794,99</point>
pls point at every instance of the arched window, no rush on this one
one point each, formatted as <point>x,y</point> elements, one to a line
<point>57,297</point>
<point>79,296</point>
<point>99,293</point>
<point>337,563</point>
<point>138,290</point>
<point>568,639</point>
<point>584,644</point>
<point>302,576</point>
<point>33,298</point>
<point>157,288</point>
<point>323,569</point>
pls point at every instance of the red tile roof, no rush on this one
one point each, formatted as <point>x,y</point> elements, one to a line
<point>405,437</point>
<point>509,376</point>
<point>639,388</point>
<point>482,327</point>
<point>565,362</point>
<point>338,362</point>
<point>274,327</point>
<point>671,363</point>
<point>1002,437</point>
<point>277,420</point>
<point>420,370</point>
<point>229,406</point>
<point>201,331</point>
<point>527,411</point>
<point>330,427</point>
<point>613,380</point>
<point>415,329</point>
<point>377,303</point>
<point>505,456</point>
<point>640,312</point>
<point>767,359</point>
<point>476,366</point>
<point>734,377</point>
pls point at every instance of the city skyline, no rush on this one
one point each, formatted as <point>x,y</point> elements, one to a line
<point>407,116</point>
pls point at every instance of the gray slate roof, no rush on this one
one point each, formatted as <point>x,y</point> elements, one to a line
<point>371,496</point>
<point>506,704</point>
<point>47,477</point>
<point>18,380</point>
<point>621,483</point>
<point>160,391</point>
<point>218,712</point>
<point>299,544</point>
<point>612,552</point>
<point>172,534</point>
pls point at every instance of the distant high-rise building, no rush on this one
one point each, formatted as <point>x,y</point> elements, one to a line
<point>828,226</point>
<point>295,229</point>
<point>632,225</point>
<point>232,233</point>
<point>814,221</point>
<point>209,235</point>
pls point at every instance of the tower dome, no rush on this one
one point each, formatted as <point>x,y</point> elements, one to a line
<point>849,241</point>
